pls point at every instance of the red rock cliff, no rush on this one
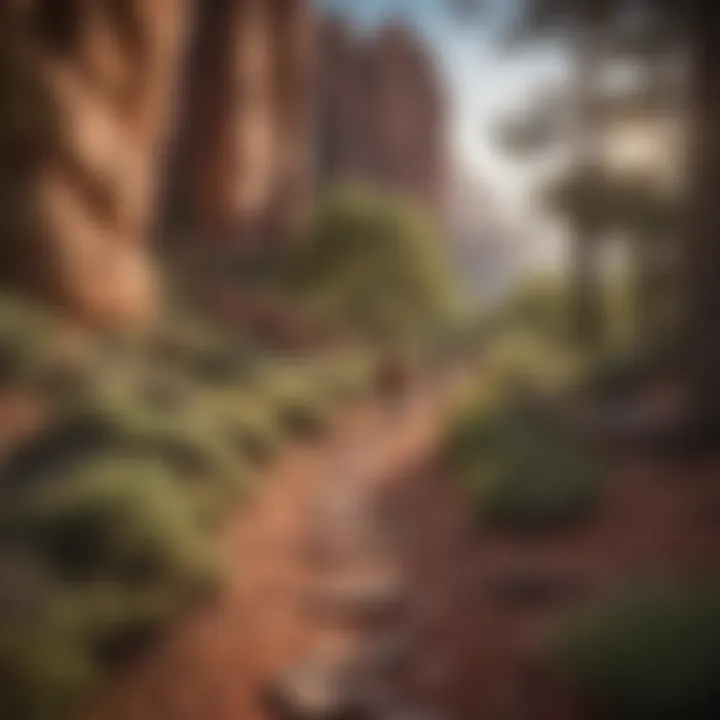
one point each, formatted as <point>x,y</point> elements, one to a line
<point>242,148</point>
<point>380,116</point>
<point>85,90</point>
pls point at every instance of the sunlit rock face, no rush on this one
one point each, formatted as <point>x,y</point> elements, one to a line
<point>380,117</point>
<point>85,92</point>
<point>241,160</point>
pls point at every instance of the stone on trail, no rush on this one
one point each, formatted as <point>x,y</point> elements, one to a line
<point>319,689</point>
<point>389,651</point>
<point>373,598</point>
<point>532,588</point>
<point>341,548</point>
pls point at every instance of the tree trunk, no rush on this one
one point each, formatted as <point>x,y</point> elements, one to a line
<point>646,282</point>
<point>703,242</point>
<point>586,292</point>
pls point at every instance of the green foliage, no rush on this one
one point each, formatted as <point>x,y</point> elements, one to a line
<point>302,405</point>
<point>121,548</point>
<point>113,502</point>
<point>538,305</point>
<point>126,517</point>
<point>615,374</point>
<point>373,266</point>
<point>34,351</point>
<point>43,672</point>
<point>526,342</point>
<point>250,423</point>
<point>521,471</point>
<point>203,353</point>
<point>521,361</point>
<point>342,377</point>
<point>648,654</point>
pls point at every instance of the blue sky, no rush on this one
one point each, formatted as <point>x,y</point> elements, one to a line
<point>482,81</point>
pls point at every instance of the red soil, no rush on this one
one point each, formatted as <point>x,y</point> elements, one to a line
<point>473,647</point>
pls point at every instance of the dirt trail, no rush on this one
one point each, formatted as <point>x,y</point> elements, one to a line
<point>309,559</point>
<point>357,554</point>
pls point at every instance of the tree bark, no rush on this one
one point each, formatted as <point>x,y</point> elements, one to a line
<point>585,290</point>
<point>585,285</point>
<point>703,241</point>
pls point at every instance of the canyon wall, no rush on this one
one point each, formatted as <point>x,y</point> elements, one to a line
<point>380,114</point>
<point>120,117</point>
<point>86,92</point>
<point>211,121</point>
<point>241,166</point>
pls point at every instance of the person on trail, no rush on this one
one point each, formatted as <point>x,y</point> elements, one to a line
<point>393,381</point>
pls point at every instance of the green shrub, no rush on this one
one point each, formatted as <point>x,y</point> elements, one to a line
<point>187,437</point>
<point>617,373</point>
<point>301,405</point>
<point>43,672</point>
<point>524,362</point>
<point>343,379</point>
<point>250,423</point>
<point>373,266</point>
<point>522,472</point>
<point>24,331</point>
<point>56,648</point>
<point>542,485</point>
<point>39,352</point>
<point>114,516</point>
<point>203,353</point>
<point>646,655</point>
<point>537,305</point>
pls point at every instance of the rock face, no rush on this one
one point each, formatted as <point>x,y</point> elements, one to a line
<point>380,117</point>
<point>85,92</point>
<point>243,144</point>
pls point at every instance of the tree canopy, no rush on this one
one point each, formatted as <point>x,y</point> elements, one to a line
<point>374,265</point>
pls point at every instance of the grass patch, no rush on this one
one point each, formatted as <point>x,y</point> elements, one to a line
<point>521,472</point>
<point>649,654</point>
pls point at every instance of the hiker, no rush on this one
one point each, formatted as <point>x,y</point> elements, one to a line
<point>393,380</point>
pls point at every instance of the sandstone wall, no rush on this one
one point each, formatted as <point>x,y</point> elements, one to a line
<point>85,90</point>
<point>243,147</point>
<point>380,114</point>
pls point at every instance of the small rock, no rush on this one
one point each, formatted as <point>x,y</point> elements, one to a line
<point>320,689</point>
<point>365,599</point>
<point>530,588</point>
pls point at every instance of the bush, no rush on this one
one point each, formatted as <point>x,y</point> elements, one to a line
<point>43,673</point>
<point>651,654</point>
<point>345,379</point>
<point>24,336</point>
<point>113,500</point>
<point>250,423</point>
<point>372,266</point>
<point>55,650</point>
<point>520,471</point>
<point>618,373</point>
<point>203,354</point>
<point>114,516</point>
<point>187,436</point>
<point>40,353</point>
<point>108,549</point>
<point>542,486</point>
<point>302,406</point>
<point>523,362</point>
<point>537,306</point>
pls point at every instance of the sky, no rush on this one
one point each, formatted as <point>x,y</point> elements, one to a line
<point>483,82</point>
